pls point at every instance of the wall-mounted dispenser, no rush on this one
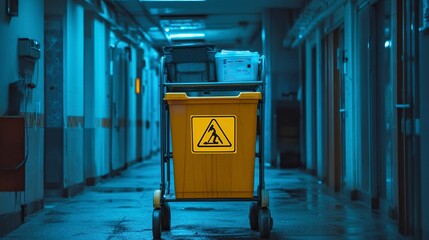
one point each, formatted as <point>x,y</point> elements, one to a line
<point>28,52</point>
<point>28,48</point>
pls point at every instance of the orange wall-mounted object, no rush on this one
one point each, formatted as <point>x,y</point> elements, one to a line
<point>12,154</point>
<point>138,86</point>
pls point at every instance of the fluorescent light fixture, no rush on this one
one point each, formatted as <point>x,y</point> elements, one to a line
<point>186,35</point>
<point>172,0</point>
<point>183,24</point>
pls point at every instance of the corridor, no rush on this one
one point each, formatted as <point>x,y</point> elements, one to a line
<point>329,95</point>
<point>121,208</point>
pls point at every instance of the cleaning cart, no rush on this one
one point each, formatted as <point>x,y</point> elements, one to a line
<point>212,118</point>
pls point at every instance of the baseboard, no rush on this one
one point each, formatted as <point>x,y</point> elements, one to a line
<point>364,197</point>
<point>151,154</point>
<point>133,162</point>
<point>73,190</point>
<point>53,192</point>
<point>375,203</point>
<point>351,194</point>
<point>354,195</point>
<point>312,172</point>
<point>147,157</point>
<point>117,172</point>
<point>357,195</point>
<point>32,207</point>
<point>92,181</point>
<point>11,221</point>
<point>393,213</point>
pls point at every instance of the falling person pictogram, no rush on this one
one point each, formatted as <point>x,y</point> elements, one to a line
<point>214,136</point>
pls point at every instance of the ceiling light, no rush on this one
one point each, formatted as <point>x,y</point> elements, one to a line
<point>182,24</point>
<point>186,35</point>
<point>173,0</point>
<point>387,44</point>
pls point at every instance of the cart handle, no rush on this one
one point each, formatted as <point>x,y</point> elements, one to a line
<point>262,72</point>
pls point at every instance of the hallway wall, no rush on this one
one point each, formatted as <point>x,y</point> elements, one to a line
<point>424,130</point>
<point>351,89</point>
<point>73,96</point>
<point>131,147</point>
<point>150,94</point>
<point>316,98</point>
<point>96,99</point>
<point>282,83</point>
<point>384,163</point>
<point>81,99</point>
<point>65,114</point>
<point>14,205</point>
<point>84,120</point>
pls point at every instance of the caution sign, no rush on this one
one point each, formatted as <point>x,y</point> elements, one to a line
<point>213,134</point>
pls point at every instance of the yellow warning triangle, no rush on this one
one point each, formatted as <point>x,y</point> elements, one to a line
<point>214,136</point>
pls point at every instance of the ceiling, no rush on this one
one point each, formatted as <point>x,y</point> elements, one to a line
<point>230,24</point>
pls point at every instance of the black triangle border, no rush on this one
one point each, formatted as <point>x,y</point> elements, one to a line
<point>214,116</point>
<point>199,142</point>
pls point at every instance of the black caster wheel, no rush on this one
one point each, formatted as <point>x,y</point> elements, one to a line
<point>166,217</point>
<point>265,222</point>
<point>156,224</point>
<point>253,216</point>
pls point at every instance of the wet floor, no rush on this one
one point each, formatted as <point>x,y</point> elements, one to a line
<point>121,208</point>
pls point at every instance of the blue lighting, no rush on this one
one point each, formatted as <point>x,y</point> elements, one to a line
<point>387,44</point>
<point>186,35</point>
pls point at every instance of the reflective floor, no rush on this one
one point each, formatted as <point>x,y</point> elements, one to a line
<point>121,208</point>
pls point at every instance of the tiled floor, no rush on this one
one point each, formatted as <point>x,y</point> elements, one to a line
<point>121,208</point>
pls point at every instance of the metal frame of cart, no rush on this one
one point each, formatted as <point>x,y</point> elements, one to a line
<point>259,213</point>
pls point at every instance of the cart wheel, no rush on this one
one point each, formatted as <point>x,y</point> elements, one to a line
<point>156,224</point>
<point>157,199</point>
<point>253,216</point>
<point>265,198</point>
<point>265,222</point>
<point>166,217</point>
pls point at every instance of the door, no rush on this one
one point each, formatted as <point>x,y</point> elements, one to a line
<point>341,65</point>
<point>339,110</point>
<point>335,106</point>
<point>365,104</point>
<point>383,177</point>
<point>147,105</point>
<point>118,107</point>
<point>408,118</point>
